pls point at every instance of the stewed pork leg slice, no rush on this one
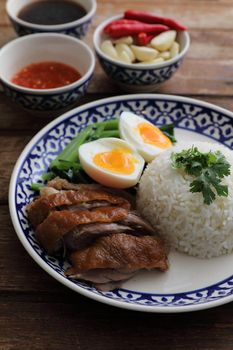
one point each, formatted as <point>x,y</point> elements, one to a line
<point>62,184</point>
<point>83,235</point>
<point>103,276</point>
<point>51,231</point>
<point>120,252</point>
<point>40,208</point>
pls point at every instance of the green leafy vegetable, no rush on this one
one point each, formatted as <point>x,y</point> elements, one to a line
<point>208,169</point>
<point>168,130</point>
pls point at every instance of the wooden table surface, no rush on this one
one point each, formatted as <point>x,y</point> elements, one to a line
<point>36,312</point>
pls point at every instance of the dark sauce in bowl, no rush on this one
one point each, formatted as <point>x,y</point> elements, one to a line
<point>52,12</point>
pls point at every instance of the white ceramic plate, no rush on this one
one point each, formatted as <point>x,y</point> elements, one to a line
<point>190,284</point>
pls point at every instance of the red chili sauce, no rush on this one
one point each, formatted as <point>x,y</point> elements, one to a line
<point>46,75</point>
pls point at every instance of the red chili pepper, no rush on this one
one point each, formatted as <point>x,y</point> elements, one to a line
<point>144,39</point>
<point>117,30</point>
<point>120,21</point>
<point>149,18</point>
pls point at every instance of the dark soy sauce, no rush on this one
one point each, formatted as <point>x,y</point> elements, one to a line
<point>52,12</point>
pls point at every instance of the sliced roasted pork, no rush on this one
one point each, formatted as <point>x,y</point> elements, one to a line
<point>84,235</point>
<point>51,231</point>
<point>106,239</point>
<point>40,208</point>
<point>105,279</point>
<point>135,221</point>
<point>46,191</point>
<point>120,252</point>
<point>62,184</point>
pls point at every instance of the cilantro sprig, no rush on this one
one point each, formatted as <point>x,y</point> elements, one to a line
<point>208,169</point>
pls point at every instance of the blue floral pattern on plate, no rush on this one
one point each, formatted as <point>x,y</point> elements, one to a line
<point>186,114</point>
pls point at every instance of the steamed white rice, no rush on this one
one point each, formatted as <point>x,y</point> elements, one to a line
<point>181,217</point>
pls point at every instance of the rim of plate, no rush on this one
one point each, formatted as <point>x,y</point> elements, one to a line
<point>50,270</point>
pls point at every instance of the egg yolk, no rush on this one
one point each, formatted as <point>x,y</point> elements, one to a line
<point>153,136</point>
<point>117,161</point>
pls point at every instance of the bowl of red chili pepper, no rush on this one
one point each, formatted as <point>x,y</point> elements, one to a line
<point>139,50</point>
<point>46,72</point>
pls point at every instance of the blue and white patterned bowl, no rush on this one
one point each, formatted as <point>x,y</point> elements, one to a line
<point>138,77</point>
<point>46,47</point>
<point>77,28</point>
<point>190,284</point>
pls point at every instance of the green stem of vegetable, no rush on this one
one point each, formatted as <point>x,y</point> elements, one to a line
<point>47,176</point>
<point>70,153</point>
<point>98,131</point>
<point>66,165</point>
<point>109,133</point>
<point>36,186</point>
<point>109,124</point>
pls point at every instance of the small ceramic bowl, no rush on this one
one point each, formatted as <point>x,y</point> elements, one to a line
<point>138,77</point>
<point>76,28</point>
<point>41,48</point>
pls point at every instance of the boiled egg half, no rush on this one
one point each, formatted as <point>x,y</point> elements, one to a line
<point>111,162</point>
<point>146,138</point>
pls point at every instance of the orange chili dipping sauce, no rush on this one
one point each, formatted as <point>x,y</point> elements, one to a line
<point>46,75</point>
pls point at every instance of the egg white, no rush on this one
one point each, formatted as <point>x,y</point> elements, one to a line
<point>128,130</point>
<point>105,177</point>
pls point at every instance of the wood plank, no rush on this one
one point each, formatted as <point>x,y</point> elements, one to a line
<point>19,272</point>
<point>6,34</point>
<point>193,14</point>
<point>195,76</point>
<point>210,45</point>
<point>10,149</point>
<point>70,322</point>
<point>13,117</point>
